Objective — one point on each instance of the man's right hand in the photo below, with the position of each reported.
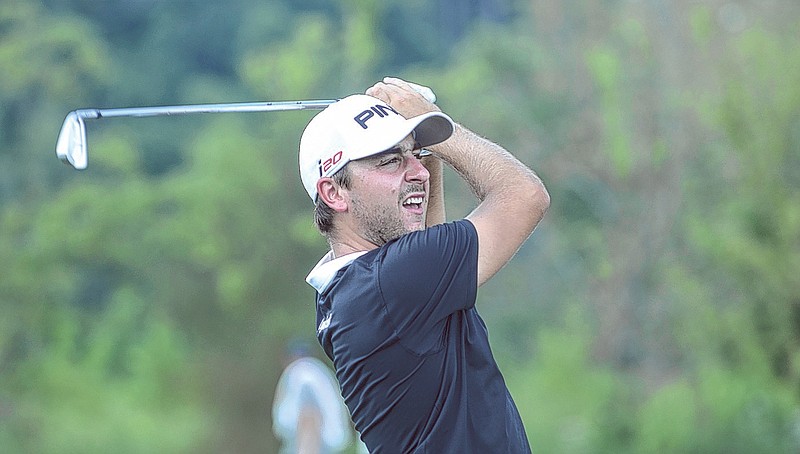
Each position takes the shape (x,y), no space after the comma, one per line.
(402,97)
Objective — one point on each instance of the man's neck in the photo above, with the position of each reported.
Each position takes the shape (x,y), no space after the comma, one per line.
(341,247)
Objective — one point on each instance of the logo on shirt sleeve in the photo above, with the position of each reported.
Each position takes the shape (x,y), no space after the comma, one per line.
(325,323)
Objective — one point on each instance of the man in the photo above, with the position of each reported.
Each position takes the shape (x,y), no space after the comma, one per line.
(396,293)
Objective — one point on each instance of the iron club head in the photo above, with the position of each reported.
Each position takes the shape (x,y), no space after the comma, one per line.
(71,144)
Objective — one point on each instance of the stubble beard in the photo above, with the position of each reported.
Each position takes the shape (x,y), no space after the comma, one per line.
(380,224)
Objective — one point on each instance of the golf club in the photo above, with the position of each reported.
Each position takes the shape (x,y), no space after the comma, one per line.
(71,146)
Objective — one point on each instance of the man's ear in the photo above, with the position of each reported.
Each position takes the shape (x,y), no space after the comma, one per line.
(332,194)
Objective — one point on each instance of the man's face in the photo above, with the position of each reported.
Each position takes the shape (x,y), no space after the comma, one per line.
(389,193)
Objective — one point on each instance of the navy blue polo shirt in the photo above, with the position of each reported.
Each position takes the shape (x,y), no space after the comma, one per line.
(411,352)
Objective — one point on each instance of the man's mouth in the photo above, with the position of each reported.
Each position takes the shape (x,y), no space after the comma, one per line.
(414,202)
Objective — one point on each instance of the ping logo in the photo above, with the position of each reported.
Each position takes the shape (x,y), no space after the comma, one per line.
(381,110)
(326,165)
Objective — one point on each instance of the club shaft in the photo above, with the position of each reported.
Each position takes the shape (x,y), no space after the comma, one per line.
(71,143)
(153,111)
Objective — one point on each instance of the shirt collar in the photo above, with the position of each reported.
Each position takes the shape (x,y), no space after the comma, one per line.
(325,270)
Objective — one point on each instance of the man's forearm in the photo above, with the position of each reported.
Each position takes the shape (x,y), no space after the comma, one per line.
(485,166)
(436,211)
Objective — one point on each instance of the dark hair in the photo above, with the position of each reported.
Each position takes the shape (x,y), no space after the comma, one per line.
(323,214)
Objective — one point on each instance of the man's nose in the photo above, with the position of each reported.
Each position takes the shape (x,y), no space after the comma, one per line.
(416,171)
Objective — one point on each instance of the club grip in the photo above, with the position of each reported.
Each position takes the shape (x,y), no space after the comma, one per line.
(426,92)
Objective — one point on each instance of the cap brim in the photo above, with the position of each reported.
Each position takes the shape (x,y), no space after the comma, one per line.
(433,128)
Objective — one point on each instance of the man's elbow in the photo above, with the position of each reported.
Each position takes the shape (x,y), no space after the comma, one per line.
(537,198)
(543,197)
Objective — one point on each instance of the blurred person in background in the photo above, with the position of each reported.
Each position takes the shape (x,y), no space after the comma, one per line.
(308,414)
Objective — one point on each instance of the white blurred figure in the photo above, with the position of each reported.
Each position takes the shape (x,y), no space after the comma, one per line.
(308,413)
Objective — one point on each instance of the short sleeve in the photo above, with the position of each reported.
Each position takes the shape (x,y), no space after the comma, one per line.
(426,276)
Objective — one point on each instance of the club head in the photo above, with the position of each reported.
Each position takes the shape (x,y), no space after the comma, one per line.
(71,144)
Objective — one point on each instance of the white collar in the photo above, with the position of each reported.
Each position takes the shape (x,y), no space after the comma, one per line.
(325,270)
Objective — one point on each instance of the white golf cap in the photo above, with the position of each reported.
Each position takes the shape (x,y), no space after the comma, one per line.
(359,126)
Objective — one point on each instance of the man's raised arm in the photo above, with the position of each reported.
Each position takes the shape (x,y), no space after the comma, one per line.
(512,197)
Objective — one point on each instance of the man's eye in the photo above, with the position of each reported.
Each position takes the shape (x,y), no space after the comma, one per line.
(389,161)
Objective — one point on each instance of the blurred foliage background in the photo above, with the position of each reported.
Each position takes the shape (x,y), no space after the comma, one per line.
(145,302)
